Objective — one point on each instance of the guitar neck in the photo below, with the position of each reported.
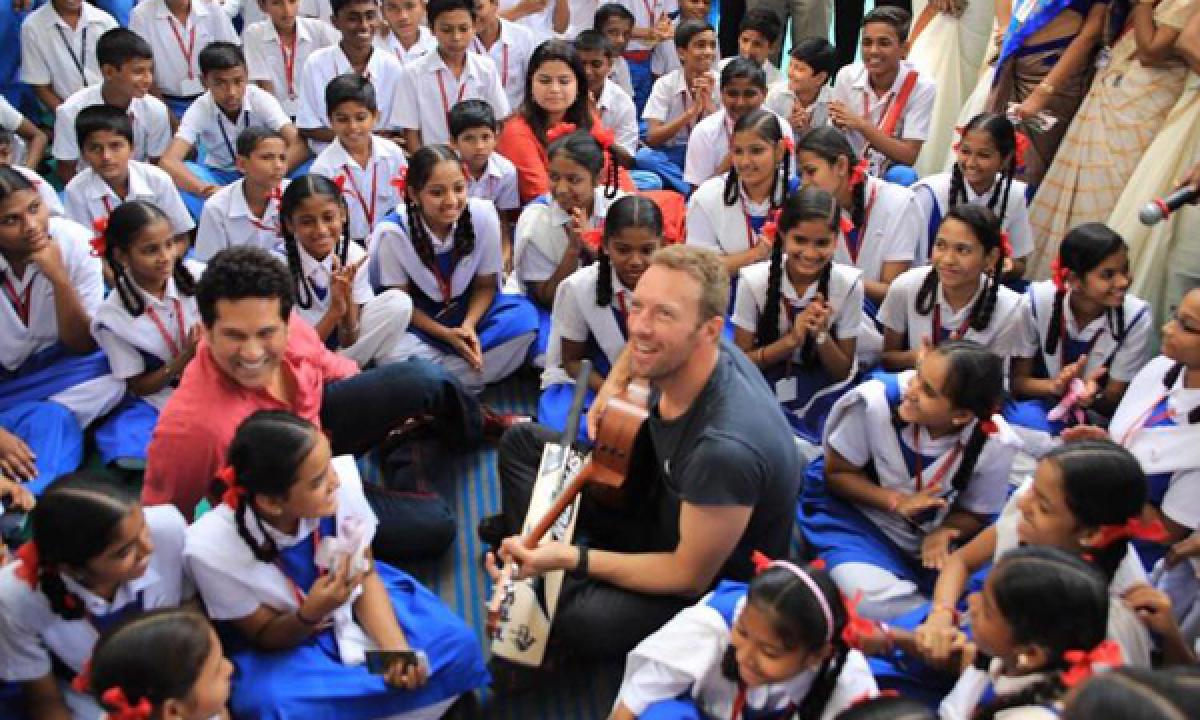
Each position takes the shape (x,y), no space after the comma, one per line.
(561,503)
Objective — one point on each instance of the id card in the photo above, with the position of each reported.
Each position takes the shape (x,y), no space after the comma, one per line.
(786,389)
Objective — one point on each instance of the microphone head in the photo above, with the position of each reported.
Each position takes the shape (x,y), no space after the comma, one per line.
(1150,214)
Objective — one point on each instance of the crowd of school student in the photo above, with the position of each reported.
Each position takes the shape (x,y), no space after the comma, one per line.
(292,231)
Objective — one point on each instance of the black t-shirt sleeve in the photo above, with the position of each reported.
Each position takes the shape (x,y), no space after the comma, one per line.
(722,471)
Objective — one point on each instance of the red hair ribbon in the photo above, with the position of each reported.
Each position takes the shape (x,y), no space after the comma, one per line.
(31,563)
(817,564)
(846,225)
(988,426)
(1020,149)
(1134,528)
(789,145)
(859,174)
(120,708)
(82,683)
(1005,244)
(233,492)
(857,627)
(604,136)
(959,132)
(771,227)
(340,181)
(1083,664)
(760,561)
(559,130)
(1058,274)
(593,238)
(400,181)
(99,244)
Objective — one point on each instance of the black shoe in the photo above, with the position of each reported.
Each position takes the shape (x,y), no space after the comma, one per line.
(492,530)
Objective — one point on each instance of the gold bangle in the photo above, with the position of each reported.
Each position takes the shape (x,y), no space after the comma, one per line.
(1046,88)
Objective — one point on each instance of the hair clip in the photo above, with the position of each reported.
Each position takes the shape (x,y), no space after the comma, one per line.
(400,181)
(120,708)
(99,243)
(1082,664)
(31,563)
(559,130)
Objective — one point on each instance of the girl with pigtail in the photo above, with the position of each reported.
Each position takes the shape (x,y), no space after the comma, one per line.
(913,464)
(988,154)
(592,304)
(959,296)
(149,325)
(775,648)
(95,558)
(285,560)
(799,315)
(1084,336)
(332,290)
(444,250)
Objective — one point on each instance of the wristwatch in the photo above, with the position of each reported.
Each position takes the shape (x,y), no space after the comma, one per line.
(580,570)
(822,337)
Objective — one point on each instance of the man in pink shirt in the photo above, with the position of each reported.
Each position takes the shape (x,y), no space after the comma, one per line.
(255,354)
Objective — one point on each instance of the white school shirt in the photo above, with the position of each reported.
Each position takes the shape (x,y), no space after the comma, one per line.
(10,120)
(685,657)
(710,142)
(31,633)
(319,272)
(1163,449)
(1134,352)
(383,70)
(425,44)
(431,90)
(645,15)
(227,221)
(89,197)
(17,340)
(577,317)
(893,229)
(860,429)
(722,228)
(265,56)
(150,118)
(781,100)
(853,88)
(45,190)
(310,9)
(845,299)
(510,53)
(583,17)
(540,23)
(368,191)
(177,48)
(620,75)
(126,340)
(934,192)
(234,583)
(899,313)
(973,685)
(206,125)
(540,238)
(397,263)
(774,76)
(52,53)
(670,97)
(619,114)
(497,182)
(665,57)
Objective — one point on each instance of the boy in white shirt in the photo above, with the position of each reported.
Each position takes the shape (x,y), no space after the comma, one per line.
(680,99)
(179,30)
(365,163)
(254,12)
(105,135)
(58,49)
(758,33)
(404,31)
(247,212)
(612,103)
(804,98)
(898,100)
(441,79)
(651,26)
(127,64)
(665,59)
(26,143)
(277,48)
(616,22)
(490,175)
(214,121)
(358,22)
(508,44)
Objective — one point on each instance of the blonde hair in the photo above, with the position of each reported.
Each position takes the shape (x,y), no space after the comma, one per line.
(705,267)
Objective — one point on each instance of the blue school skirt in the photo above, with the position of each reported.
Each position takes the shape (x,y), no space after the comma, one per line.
(52,433)
(125,434)
(537,351)
(508,317)
(310,681)
(816,392)
(48,372)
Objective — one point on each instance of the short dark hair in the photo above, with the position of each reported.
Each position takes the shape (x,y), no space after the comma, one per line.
(897,17)
(594,41)
(219,56)
(239,272)
(248,139)
(688,30)
(120,45)
(336,6)
(440,7)
(102,117)
(609,11)
(817,53)
(350,87)
(471,113)
(762,21)
(743,68)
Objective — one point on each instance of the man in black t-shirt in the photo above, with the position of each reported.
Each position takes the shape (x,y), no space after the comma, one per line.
(716,466)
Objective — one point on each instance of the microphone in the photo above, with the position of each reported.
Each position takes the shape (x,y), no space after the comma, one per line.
(1159,209)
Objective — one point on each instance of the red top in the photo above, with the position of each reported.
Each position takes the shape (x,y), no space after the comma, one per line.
(520,145)
(200,418)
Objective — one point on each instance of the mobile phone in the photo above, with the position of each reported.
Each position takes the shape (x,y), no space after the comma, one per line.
(380,662)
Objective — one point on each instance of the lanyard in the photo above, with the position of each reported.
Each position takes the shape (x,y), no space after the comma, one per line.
(751,238)
(503,60)
(289,65)
(107,205)
(858,232)
(462,89)
(186,50)
(297,593)
(368,211)
(176,348)
(20,302)
(225,136)
(1148,419)
(262,224)
(80,60)
(937,325)
(919,461)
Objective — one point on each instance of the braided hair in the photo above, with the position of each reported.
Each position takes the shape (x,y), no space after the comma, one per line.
(265,454)
(766,125)
(1134,693)
(125,226)
(974,382)
(301,189)
(420,170)
(76,519)
(798,619)
(1051,599)
(584,150)
(1004,137)
(1082,250)
(808,204)
(829,144)
(631,211)
(986,229)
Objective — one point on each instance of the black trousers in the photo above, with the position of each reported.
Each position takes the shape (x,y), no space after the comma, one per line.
(595,619)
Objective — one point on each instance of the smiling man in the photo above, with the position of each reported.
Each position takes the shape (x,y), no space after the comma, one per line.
(716,470)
